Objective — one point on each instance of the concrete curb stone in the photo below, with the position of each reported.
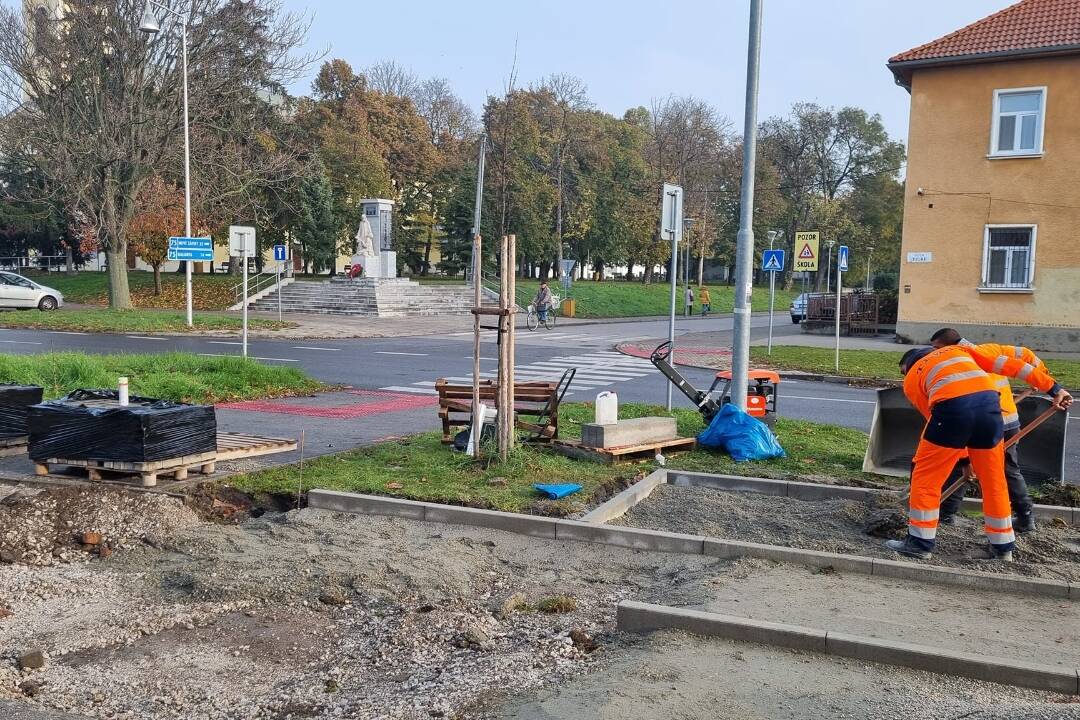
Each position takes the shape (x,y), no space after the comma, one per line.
(634,538)
(731,549)
(1013,584)
(637,617)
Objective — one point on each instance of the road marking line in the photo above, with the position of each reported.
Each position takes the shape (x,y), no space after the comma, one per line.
(470,357)
(223,342)
(66,332)
(324,349)
(146,337)
(20,342)
(821,399)
(249,357)
(383,352)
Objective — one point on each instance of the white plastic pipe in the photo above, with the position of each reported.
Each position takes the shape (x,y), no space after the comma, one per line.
(123,392)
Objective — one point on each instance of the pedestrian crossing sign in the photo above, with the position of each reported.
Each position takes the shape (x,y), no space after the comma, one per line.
(772,260)
(806,251)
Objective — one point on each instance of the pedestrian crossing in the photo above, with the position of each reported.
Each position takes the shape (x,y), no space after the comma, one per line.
(555,337)
(594,371)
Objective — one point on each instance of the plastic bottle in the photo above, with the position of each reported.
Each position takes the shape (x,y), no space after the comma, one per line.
(607,408)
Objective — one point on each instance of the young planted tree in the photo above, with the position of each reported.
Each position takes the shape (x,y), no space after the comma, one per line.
(159,217)
(94,104)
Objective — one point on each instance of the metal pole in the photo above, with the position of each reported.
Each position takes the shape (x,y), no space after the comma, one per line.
(479,202)
(772,304)
(674,274)
(828,272)
(281,266)
(839,290)
(244,259)
(478,298)
(869,254)
(744,263)
(187,175)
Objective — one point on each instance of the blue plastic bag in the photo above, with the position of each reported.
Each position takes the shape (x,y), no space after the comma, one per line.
(741,436)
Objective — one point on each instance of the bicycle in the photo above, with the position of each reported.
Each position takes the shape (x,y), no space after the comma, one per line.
(532,318)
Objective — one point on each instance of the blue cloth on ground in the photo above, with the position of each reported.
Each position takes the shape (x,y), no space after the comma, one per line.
(557,492)
(741,436)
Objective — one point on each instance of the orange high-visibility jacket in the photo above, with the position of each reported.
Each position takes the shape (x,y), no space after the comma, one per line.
(957,370)
(1009,412)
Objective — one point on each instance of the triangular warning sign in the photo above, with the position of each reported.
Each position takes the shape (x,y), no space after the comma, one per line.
(773,263)
(806,253)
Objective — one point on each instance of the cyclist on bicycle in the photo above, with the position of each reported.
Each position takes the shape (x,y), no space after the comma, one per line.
(542,301)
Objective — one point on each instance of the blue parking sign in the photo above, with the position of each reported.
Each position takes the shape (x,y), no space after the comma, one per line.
(280,252)
(772,260)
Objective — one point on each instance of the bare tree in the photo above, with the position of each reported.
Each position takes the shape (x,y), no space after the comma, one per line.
(390,78)
(95,105)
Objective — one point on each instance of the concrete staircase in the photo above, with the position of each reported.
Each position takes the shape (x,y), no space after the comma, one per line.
(372,297)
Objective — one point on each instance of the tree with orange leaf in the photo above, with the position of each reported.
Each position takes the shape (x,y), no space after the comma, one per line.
(159,217)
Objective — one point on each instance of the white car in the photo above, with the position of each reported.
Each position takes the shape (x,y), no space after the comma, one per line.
(798,308)
(19,292)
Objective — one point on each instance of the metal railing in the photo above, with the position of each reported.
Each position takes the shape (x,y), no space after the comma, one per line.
(42,263)
(256,284)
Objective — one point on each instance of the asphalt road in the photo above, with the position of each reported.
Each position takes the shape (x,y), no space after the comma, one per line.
(410,365)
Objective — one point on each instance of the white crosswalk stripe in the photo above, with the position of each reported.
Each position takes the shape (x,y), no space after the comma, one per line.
(594,370)
(571,336)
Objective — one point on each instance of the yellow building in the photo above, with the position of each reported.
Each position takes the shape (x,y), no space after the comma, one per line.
(992,205)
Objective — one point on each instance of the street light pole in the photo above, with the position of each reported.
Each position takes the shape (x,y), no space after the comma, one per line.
(828,273)
(869,254)
(150,26)
(744,256)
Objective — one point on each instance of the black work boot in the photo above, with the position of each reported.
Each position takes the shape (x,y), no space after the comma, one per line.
(1024,522)
(947,520)
(990,552)
(909,548)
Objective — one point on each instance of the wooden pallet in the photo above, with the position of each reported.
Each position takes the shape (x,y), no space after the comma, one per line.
(230,446)
(233,446)
(631,453)
(13,445)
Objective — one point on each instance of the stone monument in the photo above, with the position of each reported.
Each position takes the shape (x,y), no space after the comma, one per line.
(374,240)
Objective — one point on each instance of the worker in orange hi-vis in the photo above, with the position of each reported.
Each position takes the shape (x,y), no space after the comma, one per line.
(952,388)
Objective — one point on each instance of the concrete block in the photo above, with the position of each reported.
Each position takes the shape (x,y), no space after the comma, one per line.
(951,662)
(520,524)
(815,491)
(732,483)
(628,498)
(640,617)
(638,431)
(794,556)
(634,538)
(1042,512)
(366,504)
(989,582)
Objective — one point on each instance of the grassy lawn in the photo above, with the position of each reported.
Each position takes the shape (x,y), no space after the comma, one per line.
(124,321)
(90,287)
(422,468)
(873,364)
(174,376)
(633,299)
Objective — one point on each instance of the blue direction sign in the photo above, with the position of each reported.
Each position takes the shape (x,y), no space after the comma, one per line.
(772,260)
(842,258)
(279,252)
(197,249)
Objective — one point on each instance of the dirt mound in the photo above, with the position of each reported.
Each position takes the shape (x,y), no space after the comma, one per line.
(70,524)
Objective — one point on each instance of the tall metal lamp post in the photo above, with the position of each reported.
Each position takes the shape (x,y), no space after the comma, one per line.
(152,26)
(869,254)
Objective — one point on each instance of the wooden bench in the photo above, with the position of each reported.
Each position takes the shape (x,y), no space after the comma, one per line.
(536,400)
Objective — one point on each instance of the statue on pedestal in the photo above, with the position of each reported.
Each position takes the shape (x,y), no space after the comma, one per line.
(365,240)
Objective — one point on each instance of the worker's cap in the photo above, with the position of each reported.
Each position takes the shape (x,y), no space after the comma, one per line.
(913,356)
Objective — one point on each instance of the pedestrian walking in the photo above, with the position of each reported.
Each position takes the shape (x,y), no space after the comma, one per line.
(688,301)
(706,300)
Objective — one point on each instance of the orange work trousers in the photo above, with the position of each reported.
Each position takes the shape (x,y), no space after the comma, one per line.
(933,463)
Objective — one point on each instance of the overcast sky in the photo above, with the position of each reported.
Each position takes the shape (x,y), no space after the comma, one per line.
(629,51)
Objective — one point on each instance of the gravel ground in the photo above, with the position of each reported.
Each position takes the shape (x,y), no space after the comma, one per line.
(838,526)
(314,615)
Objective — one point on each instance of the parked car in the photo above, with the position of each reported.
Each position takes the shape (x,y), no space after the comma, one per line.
(798,308)
(19,292)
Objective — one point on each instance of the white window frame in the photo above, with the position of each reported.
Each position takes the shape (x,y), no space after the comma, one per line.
(984,286)
(995,124)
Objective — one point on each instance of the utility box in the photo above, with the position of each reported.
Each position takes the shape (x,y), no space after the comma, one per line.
(569,307)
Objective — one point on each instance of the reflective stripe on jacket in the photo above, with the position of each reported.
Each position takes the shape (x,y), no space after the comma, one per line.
(1001,353)
(957,370)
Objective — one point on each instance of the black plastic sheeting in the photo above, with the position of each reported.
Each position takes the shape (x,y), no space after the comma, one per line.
(91,425)
(14,402)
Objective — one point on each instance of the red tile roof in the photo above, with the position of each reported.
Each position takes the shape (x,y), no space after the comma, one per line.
(1035,25)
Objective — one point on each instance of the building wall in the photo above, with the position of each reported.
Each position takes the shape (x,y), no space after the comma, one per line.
(963,191)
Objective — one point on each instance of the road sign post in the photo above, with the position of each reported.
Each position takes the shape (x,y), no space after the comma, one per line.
(772,262)
(242,243)
(280,252)
(841,268)
(671,226)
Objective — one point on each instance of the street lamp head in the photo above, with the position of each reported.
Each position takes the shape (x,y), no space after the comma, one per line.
(149,24)
(772,235)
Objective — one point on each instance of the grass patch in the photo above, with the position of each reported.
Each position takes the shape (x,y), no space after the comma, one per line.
(125,321)
(872,364)
(614,298)
(91,287)
(422,468)
(557,604)
(180,377)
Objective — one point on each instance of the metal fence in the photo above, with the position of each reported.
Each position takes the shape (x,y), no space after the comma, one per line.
(859,312)
(40,263)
